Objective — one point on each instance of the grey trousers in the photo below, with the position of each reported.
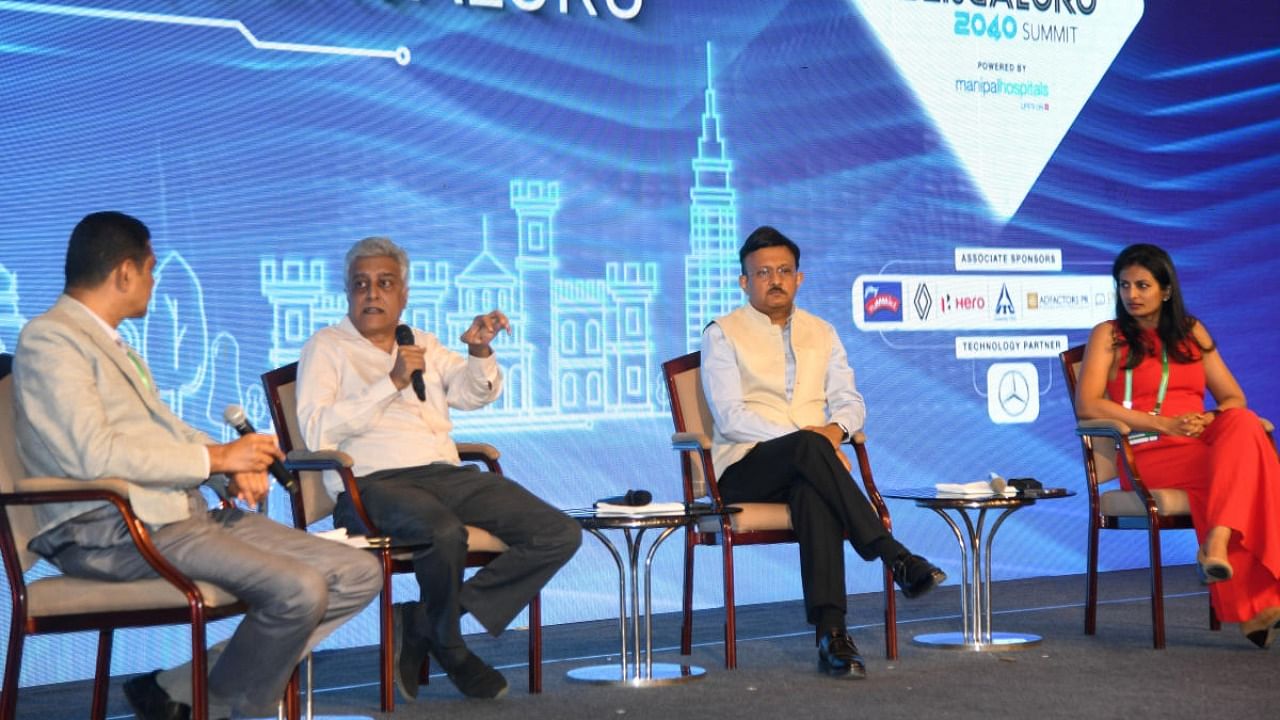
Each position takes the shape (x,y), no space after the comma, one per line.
(430,505)
(298,587)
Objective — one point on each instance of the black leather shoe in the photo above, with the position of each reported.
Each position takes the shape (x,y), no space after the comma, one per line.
(150,702)
(915,575)
(475,678)
(838,656)
(408,651)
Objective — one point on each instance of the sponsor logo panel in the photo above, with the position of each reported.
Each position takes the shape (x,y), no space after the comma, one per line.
(981,302)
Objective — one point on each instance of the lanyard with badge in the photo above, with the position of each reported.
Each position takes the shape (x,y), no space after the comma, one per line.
(1137,438)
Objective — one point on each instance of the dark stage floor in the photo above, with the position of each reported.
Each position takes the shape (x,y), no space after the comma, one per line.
(1114,674)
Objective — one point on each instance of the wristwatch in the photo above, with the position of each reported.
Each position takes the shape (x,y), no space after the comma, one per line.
(844,432)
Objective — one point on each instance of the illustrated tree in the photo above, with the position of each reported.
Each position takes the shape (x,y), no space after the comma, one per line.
(223,388)
(175,332)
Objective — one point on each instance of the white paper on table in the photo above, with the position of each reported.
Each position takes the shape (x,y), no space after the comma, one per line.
(340,535)
(653,508)
(977,487)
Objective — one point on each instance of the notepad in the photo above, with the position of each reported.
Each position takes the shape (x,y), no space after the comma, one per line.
(340,535)
(977,487)
(653,508)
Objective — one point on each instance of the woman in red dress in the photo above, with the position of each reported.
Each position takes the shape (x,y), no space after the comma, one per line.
(1149,369)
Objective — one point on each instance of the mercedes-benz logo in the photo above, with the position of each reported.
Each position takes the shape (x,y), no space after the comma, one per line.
(1013,392)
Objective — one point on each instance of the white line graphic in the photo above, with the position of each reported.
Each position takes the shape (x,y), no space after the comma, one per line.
(400,54)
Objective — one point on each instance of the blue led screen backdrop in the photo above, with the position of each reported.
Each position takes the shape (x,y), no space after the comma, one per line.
(959,177)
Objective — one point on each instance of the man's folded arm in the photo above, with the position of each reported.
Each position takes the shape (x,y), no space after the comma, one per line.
(845,405)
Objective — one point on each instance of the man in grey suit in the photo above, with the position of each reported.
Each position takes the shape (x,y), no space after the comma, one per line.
(87,408)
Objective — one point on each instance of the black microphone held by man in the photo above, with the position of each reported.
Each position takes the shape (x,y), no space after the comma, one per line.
(404,336)
(235,417)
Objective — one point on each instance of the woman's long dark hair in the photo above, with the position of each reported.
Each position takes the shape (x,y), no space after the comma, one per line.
(1175,325)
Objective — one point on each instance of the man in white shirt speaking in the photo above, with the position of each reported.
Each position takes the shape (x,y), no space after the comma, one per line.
(357,393)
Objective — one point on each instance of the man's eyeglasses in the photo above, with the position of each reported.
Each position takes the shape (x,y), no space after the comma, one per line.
(764,274)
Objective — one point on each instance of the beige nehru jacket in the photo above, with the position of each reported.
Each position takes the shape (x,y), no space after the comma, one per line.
(758,347)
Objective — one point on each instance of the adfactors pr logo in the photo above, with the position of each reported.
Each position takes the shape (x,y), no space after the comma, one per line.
(882,302)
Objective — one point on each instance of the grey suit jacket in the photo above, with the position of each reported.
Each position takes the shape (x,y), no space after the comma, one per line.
(84,412)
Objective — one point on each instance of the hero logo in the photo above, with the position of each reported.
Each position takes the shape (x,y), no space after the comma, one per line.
(961,303)
(629,13)
(882,302)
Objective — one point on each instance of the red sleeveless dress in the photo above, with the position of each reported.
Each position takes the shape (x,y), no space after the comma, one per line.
(1231,475)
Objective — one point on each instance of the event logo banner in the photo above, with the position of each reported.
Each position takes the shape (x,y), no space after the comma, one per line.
(1003,80)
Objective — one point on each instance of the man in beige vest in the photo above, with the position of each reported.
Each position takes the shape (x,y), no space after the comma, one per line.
(783,398)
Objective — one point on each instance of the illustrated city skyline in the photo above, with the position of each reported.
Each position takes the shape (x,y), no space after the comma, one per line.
(581,348)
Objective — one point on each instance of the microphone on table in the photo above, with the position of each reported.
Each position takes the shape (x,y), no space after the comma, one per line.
(633,498)
(235,417)
(404,336)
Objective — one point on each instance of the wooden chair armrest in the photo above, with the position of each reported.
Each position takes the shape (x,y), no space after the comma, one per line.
(1102,428)
(1266,425)
(478,452)
(858,438)
(690,441)
(317,460)
(44,490)
(54,485)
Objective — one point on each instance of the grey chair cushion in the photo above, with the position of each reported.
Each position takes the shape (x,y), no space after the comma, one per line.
(754,516)
(63,595)
(483,541)
(1122,503)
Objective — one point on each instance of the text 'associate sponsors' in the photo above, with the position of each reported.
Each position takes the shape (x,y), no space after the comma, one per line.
(1008,259)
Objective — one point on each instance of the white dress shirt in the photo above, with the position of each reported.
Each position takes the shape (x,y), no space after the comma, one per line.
(347,401)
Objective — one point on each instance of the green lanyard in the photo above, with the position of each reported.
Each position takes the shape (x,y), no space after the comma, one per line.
(1141,437)
(137,364)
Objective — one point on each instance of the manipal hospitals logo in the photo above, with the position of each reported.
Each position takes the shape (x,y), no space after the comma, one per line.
(882,302)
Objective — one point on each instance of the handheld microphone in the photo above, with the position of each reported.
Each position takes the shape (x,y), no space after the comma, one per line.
(633,498)
(404,336)
(235,417)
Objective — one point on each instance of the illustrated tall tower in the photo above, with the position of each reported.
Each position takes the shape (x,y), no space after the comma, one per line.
(711,269)
(536,203)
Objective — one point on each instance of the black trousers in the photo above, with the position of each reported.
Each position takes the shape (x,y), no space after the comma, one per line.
(802,470)
(429,506)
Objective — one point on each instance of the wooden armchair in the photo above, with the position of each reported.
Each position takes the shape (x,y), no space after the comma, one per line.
(1105,447)
(312,503)
(756,523)
(63,604)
